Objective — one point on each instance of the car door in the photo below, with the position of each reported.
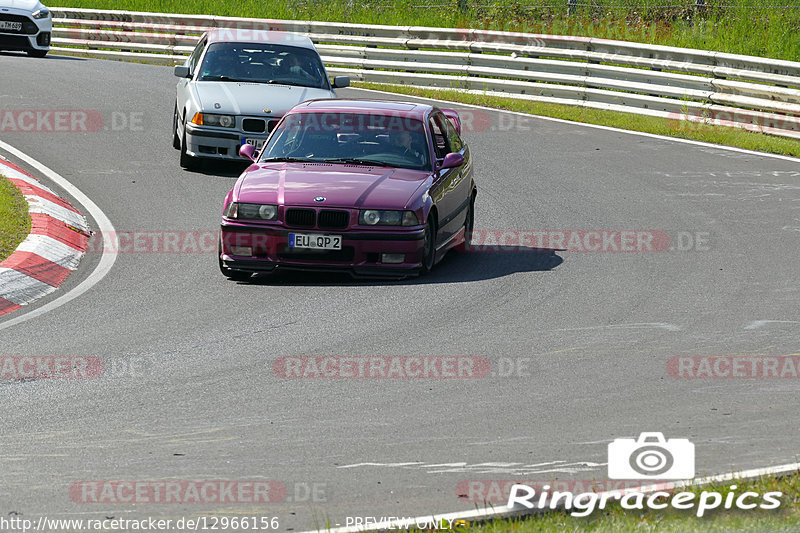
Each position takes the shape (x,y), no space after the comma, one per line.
(450,190)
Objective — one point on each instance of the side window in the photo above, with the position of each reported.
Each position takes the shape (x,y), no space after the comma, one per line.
(454,142)
(196,54)
(439,140)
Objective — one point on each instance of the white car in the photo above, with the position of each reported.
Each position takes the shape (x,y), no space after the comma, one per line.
(25,25)
(237,85)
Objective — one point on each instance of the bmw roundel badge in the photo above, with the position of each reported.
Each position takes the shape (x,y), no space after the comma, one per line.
(319,199)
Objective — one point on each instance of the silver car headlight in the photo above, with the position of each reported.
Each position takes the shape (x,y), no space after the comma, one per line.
(251,211)
(41,13)
(377,217)
(209,119)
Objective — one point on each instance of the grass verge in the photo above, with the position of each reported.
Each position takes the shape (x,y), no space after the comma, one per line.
(751,27)
(15,224)
(660,126)
(618,520)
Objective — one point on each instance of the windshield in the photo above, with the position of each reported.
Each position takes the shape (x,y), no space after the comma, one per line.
(263,63)
(354,138)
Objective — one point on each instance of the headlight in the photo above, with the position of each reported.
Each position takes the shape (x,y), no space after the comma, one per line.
(251,211)
(207,119)
(41,13)
(375,217)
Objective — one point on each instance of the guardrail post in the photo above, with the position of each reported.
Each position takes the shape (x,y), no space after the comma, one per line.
(700,7)
(571,5)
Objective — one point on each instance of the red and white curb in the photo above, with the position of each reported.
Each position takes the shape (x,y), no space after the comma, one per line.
(59,237)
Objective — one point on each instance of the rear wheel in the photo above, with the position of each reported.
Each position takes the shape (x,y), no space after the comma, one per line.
(36,53)
(428,246)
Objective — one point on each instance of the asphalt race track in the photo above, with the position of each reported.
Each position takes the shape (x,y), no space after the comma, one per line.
(578,342)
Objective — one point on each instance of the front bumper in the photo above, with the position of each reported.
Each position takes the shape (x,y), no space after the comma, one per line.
(212,143)
(361,253)
(34,35)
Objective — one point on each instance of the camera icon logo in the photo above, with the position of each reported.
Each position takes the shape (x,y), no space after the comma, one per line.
(651,457)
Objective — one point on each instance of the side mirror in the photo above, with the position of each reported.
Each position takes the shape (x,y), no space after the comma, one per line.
(248,151)
(452,160)
(341,81)
(182,71)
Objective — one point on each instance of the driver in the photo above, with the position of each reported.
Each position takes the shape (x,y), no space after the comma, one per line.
(215,63)
(402,143)
(291,65)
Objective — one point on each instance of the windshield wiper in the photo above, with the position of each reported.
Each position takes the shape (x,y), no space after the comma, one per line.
(292,83)
(223,78)
(287,160)
(354,161)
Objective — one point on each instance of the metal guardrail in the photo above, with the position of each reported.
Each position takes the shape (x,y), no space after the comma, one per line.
(677,83)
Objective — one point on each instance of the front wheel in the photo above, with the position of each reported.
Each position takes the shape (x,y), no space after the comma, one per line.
(469,223)
(188,162)
(428,246)
(176,140)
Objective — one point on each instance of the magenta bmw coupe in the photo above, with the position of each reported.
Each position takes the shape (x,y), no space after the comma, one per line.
(372,188)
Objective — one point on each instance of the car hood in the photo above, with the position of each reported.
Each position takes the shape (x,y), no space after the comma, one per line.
(340,185)
(253,98)
(22,5)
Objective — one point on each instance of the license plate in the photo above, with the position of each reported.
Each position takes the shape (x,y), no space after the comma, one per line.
(13,26)
(258,143)
(315,241)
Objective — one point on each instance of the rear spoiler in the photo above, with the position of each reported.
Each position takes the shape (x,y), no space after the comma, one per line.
(452,115)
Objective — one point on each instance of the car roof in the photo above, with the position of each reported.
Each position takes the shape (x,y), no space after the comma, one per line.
(370,107)
(234,35)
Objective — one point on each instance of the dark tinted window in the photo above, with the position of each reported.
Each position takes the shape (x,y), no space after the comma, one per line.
(439,140)
(263,63)
(360,138)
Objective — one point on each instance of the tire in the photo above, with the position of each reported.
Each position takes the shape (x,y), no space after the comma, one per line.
(429,246)
(234,275)
(176,141)
(188,162)
(469,226)
(469,223)
(36,53)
